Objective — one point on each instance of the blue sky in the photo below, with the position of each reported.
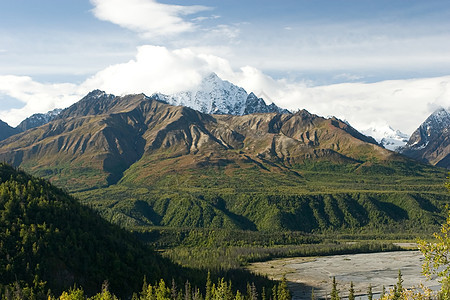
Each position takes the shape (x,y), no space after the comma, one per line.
(303,54)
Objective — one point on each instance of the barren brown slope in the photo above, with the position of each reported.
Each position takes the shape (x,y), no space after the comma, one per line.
(94,141)
(82,151)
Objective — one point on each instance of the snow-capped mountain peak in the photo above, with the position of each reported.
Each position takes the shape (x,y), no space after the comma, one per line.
(434,125)
(216,96)
(431,141)
(388,137)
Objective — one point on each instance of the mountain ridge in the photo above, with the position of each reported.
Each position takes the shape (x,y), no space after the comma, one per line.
(33,121)
(132,118)
(6,131)
(38,119)
(430,142)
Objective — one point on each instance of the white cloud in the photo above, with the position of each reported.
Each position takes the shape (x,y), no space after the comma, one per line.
(403,104)
(147,17)
(155,69)
(36,97)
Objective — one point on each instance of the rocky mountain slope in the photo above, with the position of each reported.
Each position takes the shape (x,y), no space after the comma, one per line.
(6,130)
(217,96)
(430,143)
(37,120)
(33,121)
(142,162)
(104,135)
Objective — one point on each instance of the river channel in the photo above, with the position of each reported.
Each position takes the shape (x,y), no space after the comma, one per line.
(378,269)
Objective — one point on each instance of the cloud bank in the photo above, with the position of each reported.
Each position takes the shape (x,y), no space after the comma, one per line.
(403,104)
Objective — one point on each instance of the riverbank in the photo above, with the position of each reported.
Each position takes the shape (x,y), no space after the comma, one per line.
(378,269)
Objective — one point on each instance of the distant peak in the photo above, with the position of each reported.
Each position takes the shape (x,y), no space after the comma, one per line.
(98,94)
(4,123)
(303,112)
(440,117)
(266,97)
(440,109)
(442,112)
(213,76)
(217,96)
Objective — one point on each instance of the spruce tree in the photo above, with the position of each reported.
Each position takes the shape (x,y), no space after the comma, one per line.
(173,290)
(398,288)
(252,294)
(351,292)
(187,291)
(208,295)
(283,291)
(400,281)
(369,292)
(334,291)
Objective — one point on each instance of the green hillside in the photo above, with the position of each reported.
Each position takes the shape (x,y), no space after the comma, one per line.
(49,241)
(321,198)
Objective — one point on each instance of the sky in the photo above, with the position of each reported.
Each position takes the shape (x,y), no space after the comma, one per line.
(372,63)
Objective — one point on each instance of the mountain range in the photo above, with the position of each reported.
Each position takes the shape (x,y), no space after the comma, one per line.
(107,134)
(142,162)
(216,96)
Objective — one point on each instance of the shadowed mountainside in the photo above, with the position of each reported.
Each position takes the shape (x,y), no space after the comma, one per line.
(6,131)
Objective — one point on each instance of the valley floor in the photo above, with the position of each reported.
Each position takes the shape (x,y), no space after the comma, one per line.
(377,269)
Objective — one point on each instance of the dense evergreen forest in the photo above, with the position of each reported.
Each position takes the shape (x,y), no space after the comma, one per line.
(50,241)
(52,246)
(324,198)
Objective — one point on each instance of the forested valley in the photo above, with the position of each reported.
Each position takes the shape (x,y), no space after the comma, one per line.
(52,246)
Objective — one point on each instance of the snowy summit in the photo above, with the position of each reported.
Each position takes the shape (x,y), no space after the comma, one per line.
(388,137)
(216,96)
